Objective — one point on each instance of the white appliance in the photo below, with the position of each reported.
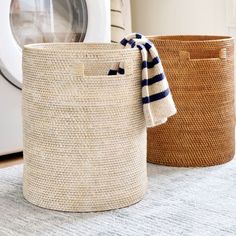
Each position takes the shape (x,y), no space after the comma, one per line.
(33,21)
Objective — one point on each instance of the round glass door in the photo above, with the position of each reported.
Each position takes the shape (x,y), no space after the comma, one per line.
(45,21)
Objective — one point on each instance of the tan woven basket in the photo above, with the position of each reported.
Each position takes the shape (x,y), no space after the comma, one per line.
(84,131)
(200,72)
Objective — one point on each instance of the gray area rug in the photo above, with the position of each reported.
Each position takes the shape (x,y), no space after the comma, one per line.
(179,201)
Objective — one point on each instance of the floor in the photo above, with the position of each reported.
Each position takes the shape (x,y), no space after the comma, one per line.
(178,201)
(11,160)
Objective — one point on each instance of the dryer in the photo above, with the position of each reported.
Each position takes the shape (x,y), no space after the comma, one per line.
(36,21)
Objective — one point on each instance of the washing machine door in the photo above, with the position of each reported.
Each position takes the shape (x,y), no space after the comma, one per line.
(36,21)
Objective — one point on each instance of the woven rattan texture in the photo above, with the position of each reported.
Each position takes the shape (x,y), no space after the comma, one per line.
(84,131)
(200,73)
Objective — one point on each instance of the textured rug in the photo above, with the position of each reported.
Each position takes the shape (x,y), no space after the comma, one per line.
(179,201)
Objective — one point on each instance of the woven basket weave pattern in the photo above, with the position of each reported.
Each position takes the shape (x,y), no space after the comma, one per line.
(84,132)
(200,73)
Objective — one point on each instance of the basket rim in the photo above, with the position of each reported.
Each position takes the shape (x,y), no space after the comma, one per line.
(82,47)
(195,38)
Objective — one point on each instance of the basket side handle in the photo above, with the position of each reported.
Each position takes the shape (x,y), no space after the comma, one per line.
(79,68)
(186,56)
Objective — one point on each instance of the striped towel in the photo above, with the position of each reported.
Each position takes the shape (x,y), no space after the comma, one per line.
(157,100)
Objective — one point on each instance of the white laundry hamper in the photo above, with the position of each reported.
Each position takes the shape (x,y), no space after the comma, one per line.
(84,131)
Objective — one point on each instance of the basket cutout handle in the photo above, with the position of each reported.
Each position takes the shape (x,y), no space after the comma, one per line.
(186,56)
(79,69)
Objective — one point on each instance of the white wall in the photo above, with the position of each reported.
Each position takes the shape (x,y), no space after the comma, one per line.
(127,16)
(180,16)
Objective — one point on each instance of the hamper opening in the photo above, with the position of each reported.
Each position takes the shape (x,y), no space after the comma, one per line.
(76,46)
(191,38)
(194,47)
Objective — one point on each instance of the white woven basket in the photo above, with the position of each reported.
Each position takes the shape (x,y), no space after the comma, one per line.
(84,131)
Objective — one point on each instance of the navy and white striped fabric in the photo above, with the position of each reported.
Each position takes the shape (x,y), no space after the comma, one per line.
(157,100)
